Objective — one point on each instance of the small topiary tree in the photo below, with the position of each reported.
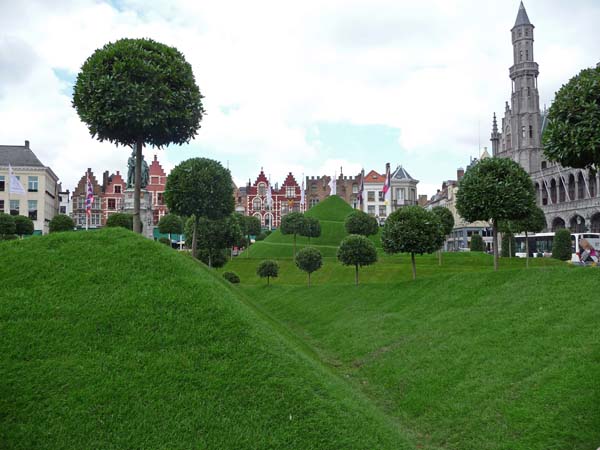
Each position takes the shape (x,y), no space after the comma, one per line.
(509,244)
(268,269)
(165,240)
(311,228)
(477,243)
(356,250)
(120,220)
(23,226)
(309,260)
(251,228)
(213,258)
(232,277)
(170,224)
(535,222)
(61,222)
(292,223)
(447,220)
(561,245)
(136,92)
(260,237)
(359,222)
(7,225)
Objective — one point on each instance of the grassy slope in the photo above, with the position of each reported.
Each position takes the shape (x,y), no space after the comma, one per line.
(469,360)
(112,341)
(331,212)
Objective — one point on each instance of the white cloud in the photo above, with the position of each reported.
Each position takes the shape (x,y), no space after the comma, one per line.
(435,70)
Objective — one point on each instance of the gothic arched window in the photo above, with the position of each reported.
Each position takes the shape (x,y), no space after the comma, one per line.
(262,189)
(256,204)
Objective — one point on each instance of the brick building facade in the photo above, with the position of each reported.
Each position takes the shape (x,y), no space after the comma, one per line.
(113,188)
(156,188)
(318,188)
(79,196)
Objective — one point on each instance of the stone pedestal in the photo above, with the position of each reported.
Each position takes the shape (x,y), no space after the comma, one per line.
(146,214)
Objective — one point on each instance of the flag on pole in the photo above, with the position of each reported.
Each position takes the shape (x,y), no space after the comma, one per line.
(361,189)
(15,185)
(269,195)
(387,186)
(332,185)
(302,198)
(89,199)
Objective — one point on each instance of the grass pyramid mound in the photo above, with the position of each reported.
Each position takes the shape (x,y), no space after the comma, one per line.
(110,340)
(331,212)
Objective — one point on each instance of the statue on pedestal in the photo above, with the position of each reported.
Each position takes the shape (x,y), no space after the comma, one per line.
(131,171)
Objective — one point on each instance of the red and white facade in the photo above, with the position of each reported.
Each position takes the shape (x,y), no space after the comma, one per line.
(112,195)
(156,188)
(285,199)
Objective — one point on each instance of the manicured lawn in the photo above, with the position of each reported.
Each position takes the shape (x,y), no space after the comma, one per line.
(110,340)
(466,360)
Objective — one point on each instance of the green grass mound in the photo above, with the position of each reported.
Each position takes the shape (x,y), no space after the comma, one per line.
(110,340)
(333,208)
(463,359)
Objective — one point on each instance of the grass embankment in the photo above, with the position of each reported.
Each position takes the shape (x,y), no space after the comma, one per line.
(471,360)
(113,341)
(331,213)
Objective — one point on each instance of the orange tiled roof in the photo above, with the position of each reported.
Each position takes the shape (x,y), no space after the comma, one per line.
(374,177)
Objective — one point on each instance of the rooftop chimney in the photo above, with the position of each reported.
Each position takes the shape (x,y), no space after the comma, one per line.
(460,173)
(26,144)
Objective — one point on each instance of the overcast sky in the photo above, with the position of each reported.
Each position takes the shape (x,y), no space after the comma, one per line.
(303,86)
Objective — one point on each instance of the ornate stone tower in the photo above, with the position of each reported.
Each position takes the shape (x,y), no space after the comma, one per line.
(520,137)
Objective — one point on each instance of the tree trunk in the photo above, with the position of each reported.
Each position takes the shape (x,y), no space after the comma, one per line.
(527,250)
(356,275)
(209,259)
(510,245)
(195,237)
(414,266)
(495,241)
(308,279)
(137,223)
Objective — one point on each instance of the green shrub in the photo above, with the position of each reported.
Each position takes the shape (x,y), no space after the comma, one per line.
(268,269)
(509,245)
(359,222)
(61,222)
(165,240)
(477,244)
(261,237)
(356,250)
(8,237)
(267,232)
(232,277)
(122,220)
(7,225)
(309,260)
(24,226)
(213,258)
(561,245)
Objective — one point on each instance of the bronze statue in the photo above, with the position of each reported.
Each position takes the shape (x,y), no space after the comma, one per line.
(131,171)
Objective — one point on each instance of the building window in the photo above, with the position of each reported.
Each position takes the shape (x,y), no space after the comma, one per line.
(531,131)
(63,210)
(262,189)
(400,194)
(256,204)
(154,180)
(355,188)
(117,189)
(290,191)
(96,203)
(32,209)
(112,203)
(382,212)
(2,182)
(371,209)
(520,55)
(313,188)
(313,202)
(14,207)
(380,196)
(1,206)
(527,54)
(371,197)
(80,202)
(544,164)
(95,219)
(520,32)
(526,32)
(523,131)
(32,184)
(160,198)
(284,208)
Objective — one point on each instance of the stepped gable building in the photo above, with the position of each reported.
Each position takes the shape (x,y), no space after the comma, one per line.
(318,189)
(79,196)
(40,201)
(569,197)
(156,188)
(285,199)
(112,198)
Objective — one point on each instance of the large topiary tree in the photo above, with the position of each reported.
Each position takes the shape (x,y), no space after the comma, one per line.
(120,220)
(311,228)
(572,134)
(136,92)
(562,248)
(447,220)
(356,250)
(268,269)
(7,225)
(251,228)
(214,237)
(495,189)
(199,188)
(309,260)
(23,226)
(413,230)
(359,222)
(292,223)
(61,222)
